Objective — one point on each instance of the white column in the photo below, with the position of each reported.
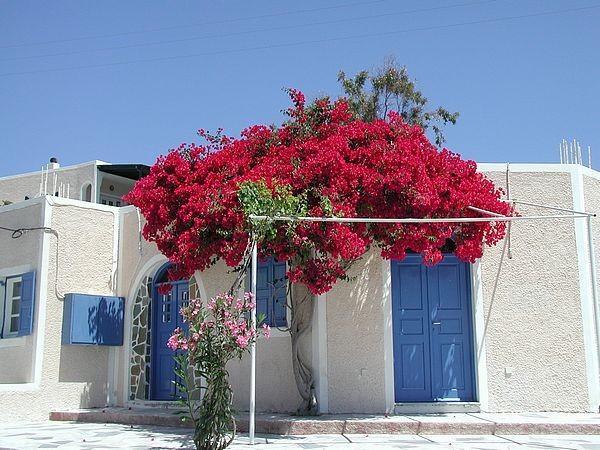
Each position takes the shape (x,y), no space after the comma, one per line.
(479,333)
(388,335)
(319,351)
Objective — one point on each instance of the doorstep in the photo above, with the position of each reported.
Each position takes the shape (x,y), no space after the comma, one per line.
(437,407)
(443,423)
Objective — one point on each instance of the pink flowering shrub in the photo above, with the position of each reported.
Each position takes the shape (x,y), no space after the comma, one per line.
(214,334)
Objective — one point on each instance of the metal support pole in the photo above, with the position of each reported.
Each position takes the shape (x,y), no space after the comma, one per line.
(594,282)
(509,224)
(253,346)
(485,211)
(554,208)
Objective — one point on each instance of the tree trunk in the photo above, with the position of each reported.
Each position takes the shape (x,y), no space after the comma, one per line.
(302,312)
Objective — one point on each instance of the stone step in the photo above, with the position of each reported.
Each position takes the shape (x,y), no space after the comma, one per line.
(449,423)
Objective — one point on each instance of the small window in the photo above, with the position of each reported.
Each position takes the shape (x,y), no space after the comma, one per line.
(185,299)
(17,300)
(12,306)
(166,308)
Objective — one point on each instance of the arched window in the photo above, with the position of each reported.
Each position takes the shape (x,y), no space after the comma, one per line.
(86,192)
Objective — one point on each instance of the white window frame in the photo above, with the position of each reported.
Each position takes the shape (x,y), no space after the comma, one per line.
(7,313)
(5,274)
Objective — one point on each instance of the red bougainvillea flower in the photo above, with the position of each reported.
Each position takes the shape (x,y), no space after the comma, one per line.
(343,167)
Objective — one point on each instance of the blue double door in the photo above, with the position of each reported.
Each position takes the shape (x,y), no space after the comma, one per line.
(432,331)
(165,318)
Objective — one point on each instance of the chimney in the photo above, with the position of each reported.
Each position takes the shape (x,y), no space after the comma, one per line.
(53,163)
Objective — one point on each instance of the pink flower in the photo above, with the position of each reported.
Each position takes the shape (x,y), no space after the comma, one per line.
(242,341)
(173,342)
(266,330)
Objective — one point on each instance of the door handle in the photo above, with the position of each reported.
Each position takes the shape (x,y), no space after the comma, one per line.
(436,323)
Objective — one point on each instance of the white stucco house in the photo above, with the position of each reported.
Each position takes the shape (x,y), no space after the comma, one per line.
(84,326)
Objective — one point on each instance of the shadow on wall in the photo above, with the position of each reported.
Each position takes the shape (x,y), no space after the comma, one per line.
(105,321)
(488,313)
(87,366)
(89,363)
(366,290)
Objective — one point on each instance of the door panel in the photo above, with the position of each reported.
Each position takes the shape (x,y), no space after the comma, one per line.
(451,343)
(166,318)
(412,371)
(431,331)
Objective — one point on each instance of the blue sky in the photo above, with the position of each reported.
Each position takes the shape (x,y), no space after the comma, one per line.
(113,80)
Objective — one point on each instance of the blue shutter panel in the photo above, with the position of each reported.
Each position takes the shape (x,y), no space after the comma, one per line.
(27,304)
(271,292)
(110,315)
(263,291)
(279,318)
(93,320)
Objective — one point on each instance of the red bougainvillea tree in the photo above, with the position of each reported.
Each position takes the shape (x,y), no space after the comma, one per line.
(321,162)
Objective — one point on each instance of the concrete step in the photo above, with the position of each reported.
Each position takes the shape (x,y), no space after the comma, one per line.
(447,423)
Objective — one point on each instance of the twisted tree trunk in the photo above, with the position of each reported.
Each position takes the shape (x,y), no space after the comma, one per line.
(302,312)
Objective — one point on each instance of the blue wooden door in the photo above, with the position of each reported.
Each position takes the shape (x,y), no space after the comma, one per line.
(166,317)
(431,312)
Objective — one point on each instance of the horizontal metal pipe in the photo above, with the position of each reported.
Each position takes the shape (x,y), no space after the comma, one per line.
(416,220)
(555,208)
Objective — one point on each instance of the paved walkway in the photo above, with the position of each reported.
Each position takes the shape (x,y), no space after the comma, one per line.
(68,435)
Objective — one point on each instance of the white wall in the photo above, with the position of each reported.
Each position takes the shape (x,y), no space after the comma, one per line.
(355,340)
(81,260)
(18,256)
(534,335)
(15,188)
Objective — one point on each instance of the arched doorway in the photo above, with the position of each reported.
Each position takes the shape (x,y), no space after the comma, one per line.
(165,318)
(86,192)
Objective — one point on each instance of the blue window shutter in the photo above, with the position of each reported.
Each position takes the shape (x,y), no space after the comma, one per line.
(271,292)
(27,304)
(93,320)
(263,290)
(279,295)
(110,321)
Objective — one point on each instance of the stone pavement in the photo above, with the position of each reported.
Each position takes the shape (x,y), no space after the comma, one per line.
(68,435)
